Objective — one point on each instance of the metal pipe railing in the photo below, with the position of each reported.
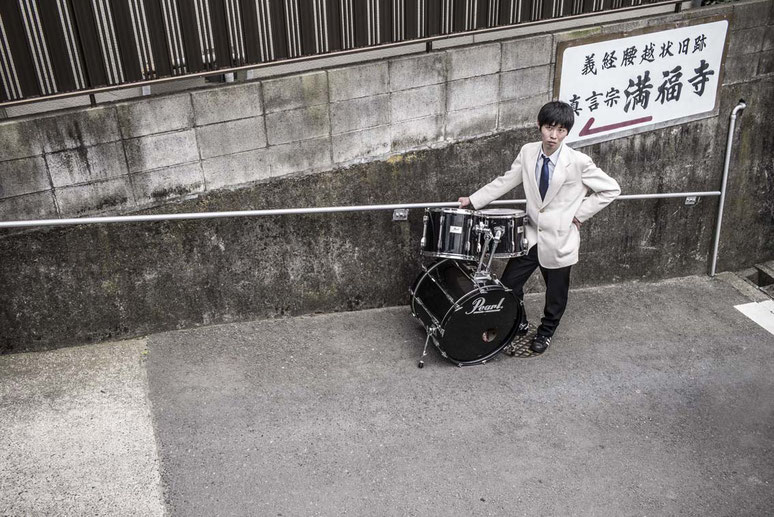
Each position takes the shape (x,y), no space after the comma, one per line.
(295,211)
(729,143)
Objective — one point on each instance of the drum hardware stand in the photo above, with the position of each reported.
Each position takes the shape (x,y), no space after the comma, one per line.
(430,332)
(484,273)
(499,230)
(480,275)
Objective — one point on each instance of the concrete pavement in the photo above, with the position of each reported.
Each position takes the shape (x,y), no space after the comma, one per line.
(655,399)
(76,433)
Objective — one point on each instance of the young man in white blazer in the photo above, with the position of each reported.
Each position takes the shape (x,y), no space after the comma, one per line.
(556,180)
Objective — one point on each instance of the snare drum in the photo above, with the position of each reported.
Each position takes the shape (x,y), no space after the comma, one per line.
(448,233)
(512,241)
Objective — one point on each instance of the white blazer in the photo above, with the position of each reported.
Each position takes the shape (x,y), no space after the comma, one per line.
(550,221)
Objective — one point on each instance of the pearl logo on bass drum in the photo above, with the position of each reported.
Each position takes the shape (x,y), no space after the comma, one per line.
(480,308)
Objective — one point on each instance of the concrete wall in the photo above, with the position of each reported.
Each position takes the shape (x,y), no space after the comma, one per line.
(142,153)
(412,129)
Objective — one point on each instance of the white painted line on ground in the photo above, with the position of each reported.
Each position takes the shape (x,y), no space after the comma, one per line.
(761,313)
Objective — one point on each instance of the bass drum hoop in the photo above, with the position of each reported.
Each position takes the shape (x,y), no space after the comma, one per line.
(450,210)
(512,213)
(480,360)
(454,256)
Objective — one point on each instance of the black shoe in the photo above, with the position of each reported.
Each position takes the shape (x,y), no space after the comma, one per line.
(522,329)
(540,343)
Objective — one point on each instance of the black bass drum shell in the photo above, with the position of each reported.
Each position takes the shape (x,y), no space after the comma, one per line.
(473,324)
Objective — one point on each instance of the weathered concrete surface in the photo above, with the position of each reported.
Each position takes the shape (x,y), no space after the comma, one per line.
(76,435)
(653,400)
(75,285)
(86,284)
(340,116)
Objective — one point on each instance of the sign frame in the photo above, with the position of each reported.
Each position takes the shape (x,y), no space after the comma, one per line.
(597,38)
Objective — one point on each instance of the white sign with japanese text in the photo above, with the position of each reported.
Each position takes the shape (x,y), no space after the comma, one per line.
(618,85)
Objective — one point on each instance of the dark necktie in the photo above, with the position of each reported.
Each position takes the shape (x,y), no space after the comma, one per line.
(544,178)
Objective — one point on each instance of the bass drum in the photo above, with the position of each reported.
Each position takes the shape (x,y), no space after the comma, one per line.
(469,322)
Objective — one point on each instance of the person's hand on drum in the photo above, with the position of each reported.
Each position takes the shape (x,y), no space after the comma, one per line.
(463,201)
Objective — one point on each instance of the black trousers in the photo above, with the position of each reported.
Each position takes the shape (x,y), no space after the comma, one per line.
(557,281)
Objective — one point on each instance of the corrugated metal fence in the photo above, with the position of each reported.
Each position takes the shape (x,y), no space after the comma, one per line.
(54,46)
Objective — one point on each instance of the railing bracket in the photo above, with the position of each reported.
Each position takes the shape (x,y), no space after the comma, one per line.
(400,214)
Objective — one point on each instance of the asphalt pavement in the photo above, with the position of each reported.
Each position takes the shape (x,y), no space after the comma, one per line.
(654,399)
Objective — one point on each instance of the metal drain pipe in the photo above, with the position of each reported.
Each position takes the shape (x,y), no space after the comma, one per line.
(729,143)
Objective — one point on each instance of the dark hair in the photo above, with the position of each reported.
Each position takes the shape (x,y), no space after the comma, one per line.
(556,112)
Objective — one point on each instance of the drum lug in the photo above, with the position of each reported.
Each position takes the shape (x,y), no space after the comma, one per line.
(435,330)
(440,231)
(422,242)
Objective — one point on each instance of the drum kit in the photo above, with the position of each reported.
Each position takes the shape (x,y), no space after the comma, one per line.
(469,315)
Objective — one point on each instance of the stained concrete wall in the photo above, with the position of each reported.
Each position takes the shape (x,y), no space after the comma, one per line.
(143,153)
(413,129)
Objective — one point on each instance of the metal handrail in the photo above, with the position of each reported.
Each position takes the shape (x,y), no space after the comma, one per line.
(729,144)
(295,211)
(428,41)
